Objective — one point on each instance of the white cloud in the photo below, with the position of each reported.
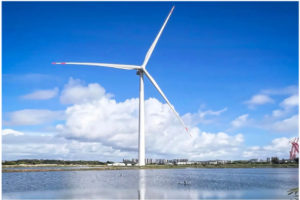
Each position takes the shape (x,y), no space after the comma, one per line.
(42,94)
(115,124)
(240,121)
(288,125)
(259,99)
(279,147)
(288,106)
(293,89)
(278,113)
(32,117)
(34,145)
(30,77)
(74,92)
(290,101)
(11,132)
(37,146)
(98,127)
(202,116)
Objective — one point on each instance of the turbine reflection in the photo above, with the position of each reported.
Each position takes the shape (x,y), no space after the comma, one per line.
(142,184)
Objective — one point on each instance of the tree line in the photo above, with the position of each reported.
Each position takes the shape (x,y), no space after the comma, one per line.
(58,162)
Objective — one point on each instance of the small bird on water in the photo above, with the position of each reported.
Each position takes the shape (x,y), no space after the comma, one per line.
(184,183)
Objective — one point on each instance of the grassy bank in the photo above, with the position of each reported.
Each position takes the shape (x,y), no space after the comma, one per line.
(21,168)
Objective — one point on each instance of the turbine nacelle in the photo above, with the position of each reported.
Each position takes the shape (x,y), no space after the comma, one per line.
(139,71)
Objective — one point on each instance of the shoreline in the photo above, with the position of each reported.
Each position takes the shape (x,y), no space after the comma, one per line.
(6,168)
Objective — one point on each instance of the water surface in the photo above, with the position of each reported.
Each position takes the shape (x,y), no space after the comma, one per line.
(189,183)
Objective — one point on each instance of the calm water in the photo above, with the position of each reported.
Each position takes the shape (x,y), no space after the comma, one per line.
(52,167)
(151,184)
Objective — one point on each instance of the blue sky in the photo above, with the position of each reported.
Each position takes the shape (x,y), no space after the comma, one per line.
(212,56)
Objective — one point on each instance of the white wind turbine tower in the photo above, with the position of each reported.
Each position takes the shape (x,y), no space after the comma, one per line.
(141,70)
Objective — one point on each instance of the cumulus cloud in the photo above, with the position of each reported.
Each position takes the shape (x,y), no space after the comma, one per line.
(42,94)
(34,145)
(100,118)
(288,105)
(240,121)
(264,97)
(115,124)
(259,99)
(74,92)
(11,132)
(291,101)
(41,146)
(278,113)
(32,117)
(283,119)
(98,127)
(279,147)
(288,125)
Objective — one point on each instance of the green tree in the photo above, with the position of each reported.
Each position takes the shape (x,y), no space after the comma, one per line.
(275,160)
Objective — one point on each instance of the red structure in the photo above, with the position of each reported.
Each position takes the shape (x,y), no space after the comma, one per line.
(295,148)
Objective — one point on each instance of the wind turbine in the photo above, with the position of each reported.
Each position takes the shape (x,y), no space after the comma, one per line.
(294,149)
(141,70)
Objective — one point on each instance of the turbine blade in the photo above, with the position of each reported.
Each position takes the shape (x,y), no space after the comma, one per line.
(164,96)
(118,66)
(149,53)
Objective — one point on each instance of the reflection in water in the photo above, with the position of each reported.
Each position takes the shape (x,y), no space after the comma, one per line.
(151,184)
(142,185)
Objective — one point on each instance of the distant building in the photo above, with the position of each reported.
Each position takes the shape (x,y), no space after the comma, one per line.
(203,162)
(126,161)
(149,161)
(160,161)
(213,162)
(180,160)
(253,160)
(181,163)
(222,162)
(118,164)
